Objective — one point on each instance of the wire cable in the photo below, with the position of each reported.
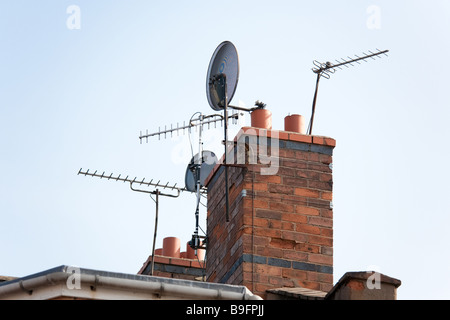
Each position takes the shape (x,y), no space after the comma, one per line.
(189,132)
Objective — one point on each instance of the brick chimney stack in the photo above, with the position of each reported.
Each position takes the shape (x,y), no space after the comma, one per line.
(280,231)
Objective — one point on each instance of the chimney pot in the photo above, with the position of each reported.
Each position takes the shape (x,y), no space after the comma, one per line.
(295,123)
(171,247)
(261,118)
(190,253)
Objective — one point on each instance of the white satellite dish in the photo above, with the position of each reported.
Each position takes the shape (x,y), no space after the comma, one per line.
(205,165)
(225,62)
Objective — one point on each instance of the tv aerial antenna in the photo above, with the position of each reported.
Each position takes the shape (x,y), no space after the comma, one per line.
(221,82)
(198,122)
(199,167)
(136,185)
(326,69)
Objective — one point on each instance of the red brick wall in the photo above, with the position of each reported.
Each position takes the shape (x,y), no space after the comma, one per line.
(280,232)
(177,268)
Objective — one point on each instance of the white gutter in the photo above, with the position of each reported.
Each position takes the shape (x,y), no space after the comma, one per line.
(183,289)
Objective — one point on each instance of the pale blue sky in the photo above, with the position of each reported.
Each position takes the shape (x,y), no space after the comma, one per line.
(78,98)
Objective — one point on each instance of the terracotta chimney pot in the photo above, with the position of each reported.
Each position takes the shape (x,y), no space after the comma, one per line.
(171,247)
(261,118)
(295,123)
(190,253)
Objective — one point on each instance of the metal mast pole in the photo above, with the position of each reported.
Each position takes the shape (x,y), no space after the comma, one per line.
(154,235)
(225,111)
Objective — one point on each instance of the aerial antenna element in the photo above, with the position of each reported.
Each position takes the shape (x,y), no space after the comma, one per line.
(325,70)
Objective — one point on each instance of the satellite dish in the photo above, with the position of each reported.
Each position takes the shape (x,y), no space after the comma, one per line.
(208,162)
(224,61)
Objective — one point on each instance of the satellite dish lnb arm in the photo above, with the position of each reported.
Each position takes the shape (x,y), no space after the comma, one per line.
(258,105)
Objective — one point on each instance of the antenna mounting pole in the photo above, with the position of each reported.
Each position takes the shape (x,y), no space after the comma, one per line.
(218,83)
(154,234)
(314,104)
(225,112)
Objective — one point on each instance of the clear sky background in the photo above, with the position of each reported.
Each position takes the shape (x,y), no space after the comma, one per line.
(74,98)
